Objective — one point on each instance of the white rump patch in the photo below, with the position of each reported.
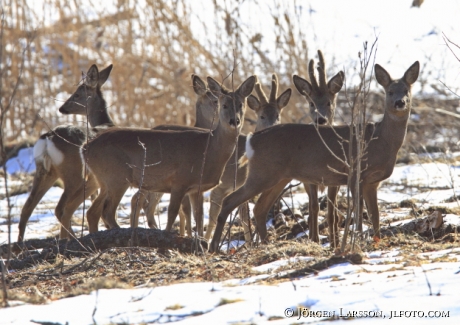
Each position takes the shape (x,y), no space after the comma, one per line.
(39,150)
(41,155)
(57,157)
(249,149)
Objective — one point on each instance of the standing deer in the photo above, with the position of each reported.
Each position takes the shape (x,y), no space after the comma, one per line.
(57,153)
(205,107)
(174,159)
(322,97)
(268,112)
(316,154)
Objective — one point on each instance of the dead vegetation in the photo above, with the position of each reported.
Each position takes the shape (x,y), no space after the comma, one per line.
(128,267)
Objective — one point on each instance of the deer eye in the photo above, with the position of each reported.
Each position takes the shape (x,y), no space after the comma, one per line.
(76,96)
(328,103)
(390,93)
(312,104)
(224,106)
(262,117)
(277,116)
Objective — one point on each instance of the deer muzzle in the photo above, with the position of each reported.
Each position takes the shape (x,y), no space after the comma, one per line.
(235,122)
(400,104)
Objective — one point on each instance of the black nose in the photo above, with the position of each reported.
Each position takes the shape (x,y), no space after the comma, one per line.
(62,110)
(400,103)
(321,121)
(232,122)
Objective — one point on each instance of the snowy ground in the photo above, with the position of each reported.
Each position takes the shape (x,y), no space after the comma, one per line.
(386,288)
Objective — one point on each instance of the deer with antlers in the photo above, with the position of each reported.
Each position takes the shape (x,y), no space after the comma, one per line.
(268,113)
(174,159)
(57,153)
(321,95)
(319,155)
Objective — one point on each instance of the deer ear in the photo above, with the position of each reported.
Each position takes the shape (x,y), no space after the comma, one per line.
(411,75)
(214,87)
(302,85)
(246,88)
(253,103)
(104,75)
(382,76)
(284,98)
(92,77)
(336,82)
(199,86)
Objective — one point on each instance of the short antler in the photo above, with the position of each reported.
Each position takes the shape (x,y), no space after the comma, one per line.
(322,72)
(274,91)
(311,72)
(260,92)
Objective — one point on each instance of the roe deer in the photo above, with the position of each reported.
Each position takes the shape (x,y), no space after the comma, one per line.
(174,159)
(322,98)
(289,151)
(206,119)
(205,107)
(57,153)
(268,112)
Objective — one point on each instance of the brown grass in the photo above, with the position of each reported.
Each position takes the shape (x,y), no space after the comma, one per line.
(154,50)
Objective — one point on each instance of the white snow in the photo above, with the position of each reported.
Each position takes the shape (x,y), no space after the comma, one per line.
(383,285)
(23,163)
(340,290)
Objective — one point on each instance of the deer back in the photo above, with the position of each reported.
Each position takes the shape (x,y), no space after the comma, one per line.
(319,154)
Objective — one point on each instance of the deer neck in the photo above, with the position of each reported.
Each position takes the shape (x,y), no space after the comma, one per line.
(223,142)
(392,131)
(99,115)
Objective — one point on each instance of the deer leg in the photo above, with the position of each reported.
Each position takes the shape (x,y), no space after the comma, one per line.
(197,209)
(243,211)
(113,198)
(264,204)
(95,211)
(43,180)
(177,196)
(185,217)
(217,197)
(254,185)
(66,231)
(150,205)
(370,197)
(332,215)
(74,189)
(138,201)
(313,211)
(72,202)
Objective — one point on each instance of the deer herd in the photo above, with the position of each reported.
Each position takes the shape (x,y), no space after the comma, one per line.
(214,155)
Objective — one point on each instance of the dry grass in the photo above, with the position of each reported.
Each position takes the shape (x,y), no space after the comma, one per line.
(155,48)
(148,267)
